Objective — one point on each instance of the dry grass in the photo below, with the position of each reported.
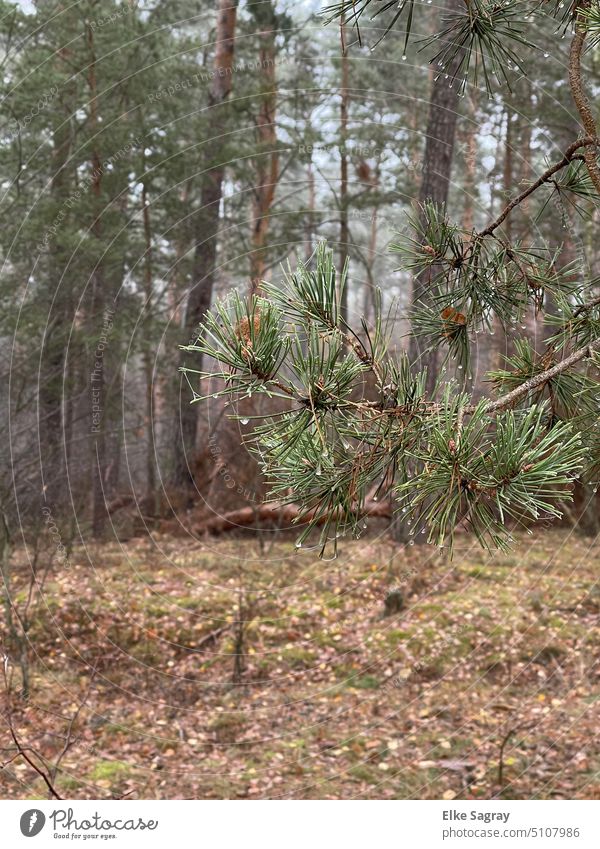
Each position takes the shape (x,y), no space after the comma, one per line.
(335,700)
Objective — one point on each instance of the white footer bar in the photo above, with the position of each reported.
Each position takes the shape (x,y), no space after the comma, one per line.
(302,824)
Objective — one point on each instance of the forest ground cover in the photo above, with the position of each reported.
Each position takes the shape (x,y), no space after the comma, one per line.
(483,684)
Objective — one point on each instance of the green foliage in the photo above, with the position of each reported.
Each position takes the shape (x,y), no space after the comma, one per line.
(475,39)
(590,17)
(576,321)
(488,471)
(473,280)
(357,422)
(352,11)
(247,337)
(313,295)
(478,37)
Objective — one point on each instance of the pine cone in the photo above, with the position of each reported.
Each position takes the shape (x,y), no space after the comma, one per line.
(244,332)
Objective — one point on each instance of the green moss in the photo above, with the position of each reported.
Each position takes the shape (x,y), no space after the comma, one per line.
(366,682)
(110,771)
(363,773)
(299,657)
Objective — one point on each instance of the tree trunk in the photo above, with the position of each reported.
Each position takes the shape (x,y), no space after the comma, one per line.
(309,227)
(267,159)
(206,230)
(151,494)
(98,380)
(344,103)
(470,164)
(369,302)
(508,170)
(437,166)
(52,357)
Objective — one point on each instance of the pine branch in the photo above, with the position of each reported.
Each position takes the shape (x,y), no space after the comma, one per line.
(567,158)
(540,379)
(447,460)
(588,305)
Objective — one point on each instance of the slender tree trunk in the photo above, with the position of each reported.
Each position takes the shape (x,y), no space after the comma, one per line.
(508,177)
(206,231)
(437,166)
(98,379)
(51,412)
(499,345)
(470,164)
(526,170)
(369,303)
(267,160)
(309,227)
(151,493)
(344,105)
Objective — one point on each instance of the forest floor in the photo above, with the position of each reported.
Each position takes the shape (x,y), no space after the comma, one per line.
(485,684)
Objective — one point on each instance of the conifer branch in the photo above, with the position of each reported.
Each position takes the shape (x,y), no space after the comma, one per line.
(568,157)
(541,379)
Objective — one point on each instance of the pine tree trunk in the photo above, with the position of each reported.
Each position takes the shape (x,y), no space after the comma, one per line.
(97,313)
(206,231)
(309,227)
(267,160)
(437,166)
(151,494)
(508,170)
(52,359)
(470,182)
(369,303)
(344,104)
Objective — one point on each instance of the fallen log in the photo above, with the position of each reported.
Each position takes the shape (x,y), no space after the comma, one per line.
(118,503)
(279,515)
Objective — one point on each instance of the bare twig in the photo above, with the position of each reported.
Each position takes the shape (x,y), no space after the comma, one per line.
(23,751)
(503,744)
(68,740)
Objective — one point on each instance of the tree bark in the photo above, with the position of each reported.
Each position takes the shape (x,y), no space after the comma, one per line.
(267,159)
(52,357)
(51,404)
(437,166)
(206,231)
(470,164)
(344,105)
(271,514)
(508,169)
(309,226)
(98,382)
(148,362)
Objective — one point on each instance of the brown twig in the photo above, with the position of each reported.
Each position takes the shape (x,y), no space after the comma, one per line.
(68,741)
(568,157)
(578,92)
(503,745)
(22,751)
(541,379)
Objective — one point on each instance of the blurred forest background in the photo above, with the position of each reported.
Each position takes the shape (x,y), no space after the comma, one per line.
(154,156)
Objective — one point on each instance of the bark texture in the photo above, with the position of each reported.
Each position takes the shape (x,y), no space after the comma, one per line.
(437,167)
(206,231)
